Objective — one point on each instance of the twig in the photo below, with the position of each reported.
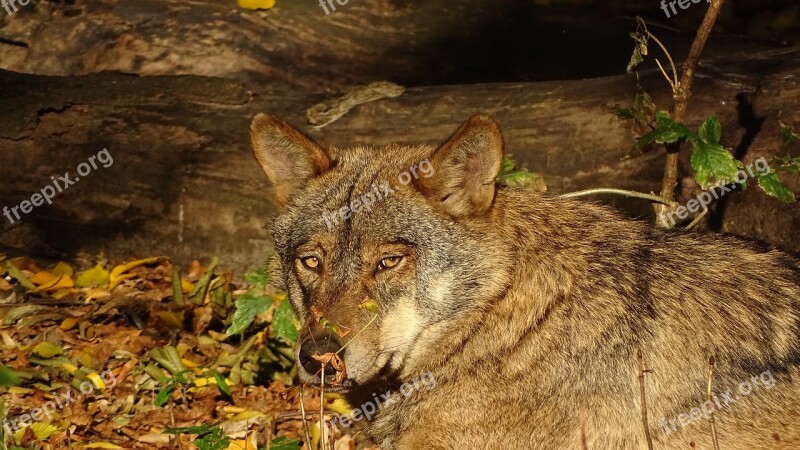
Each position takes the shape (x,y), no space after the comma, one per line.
(714,439)
(674,80)
(681,98)
(354,337)
(651,197)
(306,433)
(643,400)
(322,445)
(696,220)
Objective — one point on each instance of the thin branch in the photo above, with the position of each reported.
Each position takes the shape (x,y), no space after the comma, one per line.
(674,82)
(664,72)
(322,445)
(359,332)
(714,438)
(625,192)
(696,220)
(306,433)
(682,95)
(642,371)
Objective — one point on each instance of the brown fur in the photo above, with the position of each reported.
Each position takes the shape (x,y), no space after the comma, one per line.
(527,310)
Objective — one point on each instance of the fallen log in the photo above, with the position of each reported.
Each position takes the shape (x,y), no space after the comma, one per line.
(183,182)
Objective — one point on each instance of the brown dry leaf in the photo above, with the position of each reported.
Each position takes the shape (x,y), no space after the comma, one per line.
(334,361)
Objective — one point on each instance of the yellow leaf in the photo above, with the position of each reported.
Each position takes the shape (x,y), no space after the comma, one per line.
(119,270)
(69,323)
(96,380)
(189,364)
(97,276)
(62,268)
(201,382)
(340,406)
(248,443)
(186,285)
(173,319)
(103,445)
(61,293)
(182,348)
(70,368)
(44,277)
(19,390)
(46,350)
(256,4)
(116,281)
(43,430)
(62,282)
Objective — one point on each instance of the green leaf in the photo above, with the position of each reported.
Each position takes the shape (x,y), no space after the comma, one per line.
(774,187)
(247,307)
(788,135)
(8,377)
(195,429)
(19,276)
(639,50)
(667,131)
(285,324)
(215,440)
(164,394)
(258,277)
(710,130)
(222,384)
(712,163)
(284,443)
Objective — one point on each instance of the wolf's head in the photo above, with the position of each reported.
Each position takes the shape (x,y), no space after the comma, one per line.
(381,249)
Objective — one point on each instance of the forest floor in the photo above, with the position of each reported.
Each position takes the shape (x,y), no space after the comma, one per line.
(137,355)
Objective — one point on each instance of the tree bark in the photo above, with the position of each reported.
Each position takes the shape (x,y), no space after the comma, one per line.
(183,182)
(297,47)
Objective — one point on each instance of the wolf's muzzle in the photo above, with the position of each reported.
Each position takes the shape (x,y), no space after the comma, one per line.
(321,346)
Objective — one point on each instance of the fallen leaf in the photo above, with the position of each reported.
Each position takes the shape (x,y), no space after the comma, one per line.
(256,4)
(97,276)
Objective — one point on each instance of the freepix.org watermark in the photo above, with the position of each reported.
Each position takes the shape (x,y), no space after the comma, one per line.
(11,5)
(365,201)
(60,184)
(60,400)
(706,197)
(725,399)
(368,409)
(666,5)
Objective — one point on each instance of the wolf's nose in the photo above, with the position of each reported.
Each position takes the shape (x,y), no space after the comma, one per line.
(318,346)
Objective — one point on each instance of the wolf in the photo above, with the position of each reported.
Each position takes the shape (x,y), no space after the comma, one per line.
(547,323)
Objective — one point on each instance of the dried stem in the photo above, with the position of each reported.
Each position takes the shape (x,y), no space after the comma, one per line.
(306,433)
(682,95)
(714,438)
(322,445)
(651,197)
(642,371)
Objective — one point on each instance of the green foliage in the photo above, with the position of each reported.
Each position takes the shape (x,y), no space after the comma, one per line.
(165,393)
(248,306)
(666,131)
(788,135)
(284,443)
(8,377)
(639,50)
(712,162)
(285,325)
(208,437)
(772,185)
(222,384)
(510,175)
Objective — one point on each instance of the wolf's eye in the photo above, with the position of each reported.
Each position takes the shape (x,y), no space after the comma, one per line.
(389,262)
(310,262)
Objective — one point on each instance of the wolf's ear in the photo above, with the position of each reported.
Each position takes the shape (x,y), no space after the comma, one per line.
(465,168)
(286,155)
